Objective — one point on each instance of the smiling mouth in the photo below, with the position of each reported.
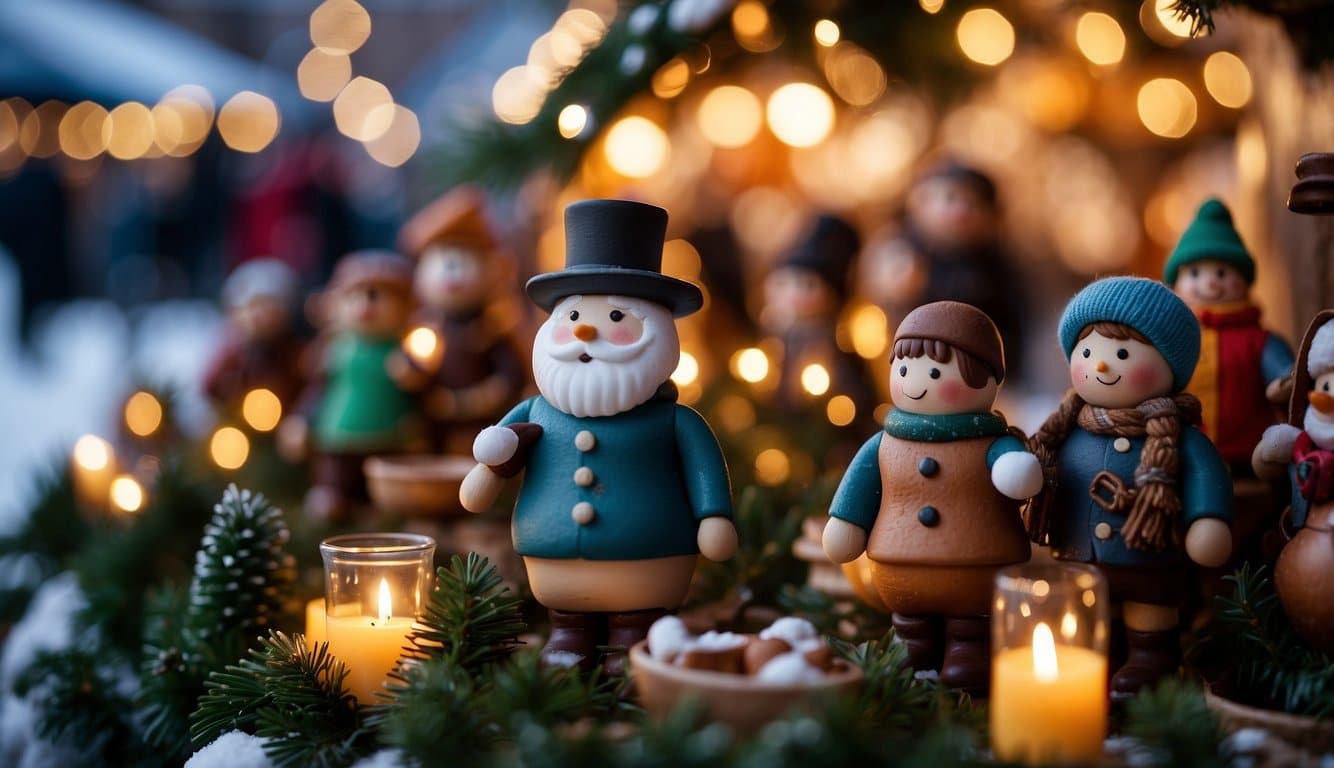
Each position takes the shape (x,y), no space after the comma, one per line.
(1108,383)
(1210,296)
(585,358)
(919,397)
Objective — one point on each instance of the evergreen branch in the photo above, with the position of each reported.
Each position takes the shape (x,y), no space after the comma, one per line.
(549,695)
(51,533)
(763,562)
(1175,725)
(436,709)
(470,618)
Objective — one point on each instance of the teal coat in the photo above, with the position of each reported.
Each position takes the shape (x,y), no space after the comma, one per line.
(1085,532)
(656,471)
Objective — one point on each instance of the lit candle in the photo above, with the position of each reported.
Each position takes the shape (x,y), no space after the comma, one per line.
(370,646)
(1049,690)
(315,632)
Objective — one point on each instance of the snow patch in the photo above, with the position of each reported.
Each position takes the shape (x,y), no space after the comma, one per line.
(233,749)
(48,625)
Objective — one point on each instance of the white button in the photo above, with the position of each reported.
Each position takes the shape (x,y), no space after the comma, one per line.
(583,513)
(1103,531)
(583,477)
(585,441)
(1121,444)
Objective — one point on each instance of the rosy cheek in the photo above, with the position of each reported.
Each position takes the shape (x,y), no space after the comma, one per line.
(563,335)
(1078,372)
(623,336)
(896,388)
(1145,378)
(953,393)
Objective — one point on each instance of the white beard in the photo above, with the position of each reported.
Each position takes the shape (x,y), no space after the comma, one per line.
(1320,429)
(619,377)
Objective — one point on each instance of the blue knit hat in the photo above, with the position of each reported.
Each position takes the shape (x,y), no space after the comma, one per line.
(1149,307)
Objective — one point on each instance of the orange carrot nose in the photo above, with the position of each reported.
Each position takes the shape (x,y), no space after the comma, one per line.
(585,332)
(1322,401)
(1101,367)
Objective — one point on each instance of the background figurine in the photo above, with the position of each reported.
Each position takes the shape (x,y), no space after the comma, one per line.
(473,371)
(260,348)
(1307,455)
(356,408)
(934,498)
(1133,485)
(624,487)
(1243,370)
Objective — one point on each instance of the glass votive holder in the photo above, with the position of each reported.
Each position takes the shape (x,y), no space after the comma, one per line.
(1049,629)
(375,585)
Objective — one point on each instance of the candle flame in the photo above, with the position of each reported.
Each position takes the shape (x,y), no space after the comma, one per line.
(421,343)
(387,602)
(1069,626)
(1044,654)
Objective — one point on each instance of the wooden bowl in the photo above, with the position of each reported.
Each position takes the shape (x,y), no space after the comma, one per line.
(417,485)
(741,702)
(1303,731)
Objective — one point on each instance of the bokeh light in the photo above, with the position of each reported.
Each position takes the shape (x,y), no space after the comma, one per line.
(636,147)
(322,73)
(815,379)
(516,98)
(772,467)
(1100,38)
(687,370)
(931,6)
(1227,79)
(1167,107)
(143,414)
(399,142)
(870,331)
(262,410)
(800,114)
(827,32)
(750,365)
(671,78)
(229,448)
(854,74)
(92,453)
(1174,23)
(127,495)
(840,410)
(249,122)
(985,36)
(82,130)
(572,120)
(341,26)
(363,110)
(730,116)
(129,131)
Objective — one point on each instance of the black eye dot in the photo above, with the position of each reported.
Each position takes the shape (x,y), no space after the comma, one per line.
(1326,386)
(1194,271)
(903,370)
(1122,354)
(574,314)
(617,315)
(1087,352)
(1221,273)
(372,294)
(935,373)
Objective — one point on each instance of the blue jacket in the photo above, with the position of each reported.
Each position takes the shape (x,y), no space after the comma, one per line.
(653,473)
(1085,532)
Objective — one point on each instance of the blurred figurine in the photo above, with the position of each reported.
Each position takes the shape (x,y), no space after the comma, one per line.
(934,499)
(1132,485)
(260,349)
(1243,370)
(803,298)
(469,371)
(624,487)
(358,410)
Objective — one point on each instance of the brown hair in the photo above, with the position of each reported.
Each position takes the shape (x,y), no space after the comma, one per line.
(974,372)
(1114,331)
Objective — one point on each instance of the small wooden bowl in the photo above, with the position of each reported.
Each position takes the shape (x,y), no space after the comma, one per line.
(417,485)
(741,702)
(1303,731)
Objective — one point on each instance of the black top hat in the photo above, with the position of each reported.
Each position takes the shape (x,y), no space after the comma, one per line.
(827,249)
(615,247)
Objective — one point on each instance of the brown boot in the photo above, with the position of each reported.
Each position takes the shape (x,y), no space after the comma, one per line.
(1152,656)
(967,664)
(922,636)
(623,631)
(573,641)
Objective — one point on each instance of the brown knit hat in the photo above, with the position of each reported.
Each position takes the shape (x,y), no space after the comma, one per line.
(379,267)
(960,325)
(459,216)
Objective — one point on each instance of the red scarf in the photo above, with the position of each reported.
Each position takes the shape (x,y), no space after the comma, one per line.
(1315,469)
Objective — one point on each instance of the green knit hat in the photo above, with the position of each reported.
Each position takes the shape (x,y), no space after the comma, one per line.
(1210,236)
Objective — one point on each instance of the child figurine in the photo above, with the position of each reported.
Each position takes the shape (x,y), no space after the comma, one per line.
(1131,481)
(625,488)
(1243,368)
(934,499)
(259,349)
(477,371)
(358,409)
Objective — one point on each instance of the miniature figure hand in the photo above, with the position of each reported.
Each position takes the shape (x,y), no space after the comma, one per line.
(495,445)
(1274,451)
(716,538)
(293,435)
(843,541)
(1279,390)
(1017,474)
(1209,542)
(479,488)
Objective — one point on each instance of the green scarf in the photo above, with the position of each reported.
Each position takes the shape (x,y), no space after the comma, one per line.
(940,429)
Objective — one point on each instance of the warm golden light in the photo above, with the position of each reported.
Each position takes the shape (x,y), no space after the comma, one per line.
(840,410)
(1069,626)
(10,119)
(735,413)
(342,26)
(357,110)
(92,453)
(572,120)
(1167,107)
(636,147)
(827,32)
(750,365)
(931,6)
(1100,38)
(584,25)
(750,19)
(229,448)
(1227,79)
(82,131)
(671,78)
(985,36)
(399,143)
(421,343)
(249,121)
(800,114)
(815,379)
(323,73)
(687,370)
(39,134)
(516,98)
(386,605)
(730,116)
(855,75)
(143,413)
(262,410)
(870,331)
(126,494)
(191,110)
(1178,25)
(1044,654)
(680,259)
(128,131)
(772,467)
